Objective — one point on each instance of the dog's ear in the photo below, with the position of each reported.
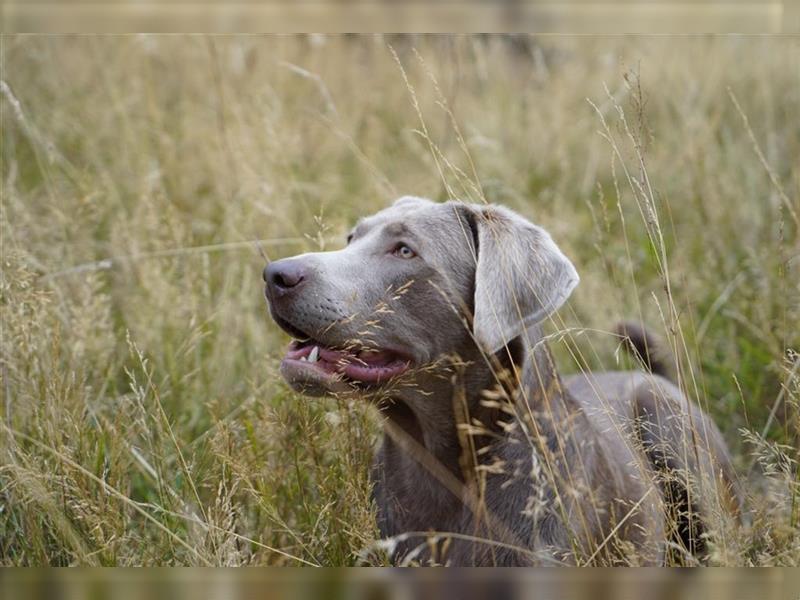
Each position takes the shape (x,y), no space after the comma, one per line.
(521,276)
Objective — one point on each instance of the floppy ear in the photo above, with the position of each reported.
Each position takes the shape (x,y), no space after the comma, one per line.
(521,276)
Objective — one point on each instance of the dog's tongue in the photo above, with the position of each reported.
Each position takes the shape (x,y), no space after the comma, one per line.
(375,358)
(370,358)
(370,366)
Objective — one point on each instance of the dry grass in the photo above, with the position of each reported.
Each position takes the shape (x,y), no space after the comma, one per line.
(143,419)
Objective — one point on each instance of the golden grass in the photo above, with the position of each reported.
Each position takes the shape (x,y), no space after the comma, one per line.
(144,421)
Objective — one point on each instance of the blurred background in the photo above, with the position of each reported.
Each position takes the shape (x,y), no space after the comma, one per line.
(147,179)
(343,16)
(380,584)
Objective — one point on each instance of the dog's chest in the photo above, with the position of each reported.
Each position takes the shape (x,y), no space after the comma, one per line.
(409,498)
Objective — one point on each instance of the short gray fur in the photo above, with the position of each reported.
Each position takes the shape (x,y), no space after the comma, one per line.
(568,469)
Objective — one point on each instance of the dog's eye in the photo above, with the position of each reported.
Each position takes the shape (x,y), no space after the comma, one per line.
(403,251)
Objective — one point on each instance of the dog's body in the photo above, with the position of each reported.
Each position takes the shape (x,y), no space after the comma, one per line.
(434,312)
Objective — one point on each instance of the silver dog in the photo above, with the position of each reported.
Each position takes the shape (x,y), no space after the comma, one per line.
(433,312)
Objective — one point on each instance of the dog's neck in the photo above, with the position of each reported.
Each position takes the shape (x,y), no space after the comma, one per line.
(541,392)
(477,395)
(426,471)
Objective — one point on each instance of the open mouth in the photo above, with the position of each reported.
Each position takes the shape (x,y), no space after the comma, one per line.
(360,365)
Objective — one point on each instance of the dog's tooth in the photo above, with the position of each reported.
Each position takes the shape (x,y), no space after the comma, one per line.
(314,356)
(302,358)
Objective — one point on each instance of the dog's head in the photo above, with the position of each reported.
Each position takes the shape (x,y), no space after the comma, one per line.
(417,282)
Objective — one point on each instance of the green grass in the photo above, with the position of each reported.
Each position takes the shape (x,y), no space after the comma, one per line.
(144,421)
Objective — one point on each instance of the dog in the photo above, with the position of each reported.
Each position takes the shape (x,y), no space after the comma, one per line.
(434,312)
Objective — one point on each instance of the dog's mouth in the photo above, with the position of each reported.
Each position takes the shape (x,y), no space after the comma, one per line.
(371,366)
(308,361)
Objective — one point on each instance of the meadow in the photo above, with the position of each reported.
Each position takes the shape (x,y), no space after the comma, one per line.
(147,180)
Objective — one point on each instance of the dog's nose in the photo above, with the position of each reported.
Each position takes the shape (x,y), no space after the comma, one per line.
(283,275)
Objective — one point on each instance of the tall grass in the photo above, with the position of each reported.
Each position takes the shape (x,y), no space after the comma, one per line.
(146,178)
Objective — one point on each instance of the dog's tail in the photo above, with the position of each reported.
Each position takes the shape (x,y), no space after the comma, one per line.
(647,347)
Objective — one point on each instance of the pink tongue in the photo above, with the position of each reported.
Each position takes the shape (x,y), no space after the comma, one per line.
(375,358)
(369,358)
(366,358)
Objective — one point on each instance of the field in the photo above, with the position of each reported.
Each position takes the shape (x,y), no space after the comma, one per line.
(144,421)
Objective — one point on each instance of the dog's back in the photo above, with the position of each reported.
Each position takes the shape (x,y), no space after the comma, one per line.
(684,448)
